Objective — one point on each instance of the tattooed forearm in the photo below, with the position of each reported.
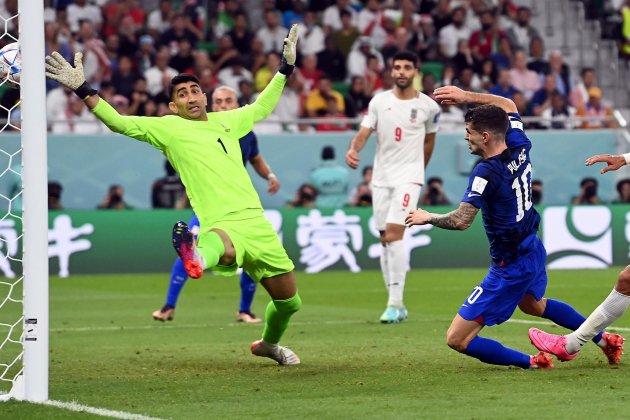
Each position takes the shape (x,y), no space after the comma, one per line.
(458,219)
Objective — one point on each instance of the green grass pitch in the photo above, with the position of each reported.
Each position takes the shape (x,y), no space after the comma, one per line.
(107,352)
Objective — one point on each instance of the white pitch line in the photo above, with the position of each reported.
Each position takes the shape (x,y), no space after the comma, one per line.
(73,406)
(234,324)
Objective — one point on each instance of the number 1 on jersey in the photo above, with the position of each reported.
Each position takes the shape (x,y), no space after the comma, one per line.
(222,145)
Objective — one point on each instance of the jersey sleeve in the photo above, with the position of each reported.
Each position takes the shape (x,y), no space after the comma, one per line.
(370,119)
(479,185)
(515,136)
(139,128)
(243,118)
(433,122)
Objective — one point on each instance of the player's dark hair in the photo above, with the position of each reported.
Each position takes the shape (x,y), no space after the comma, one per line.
(180,78)
(488,118)
(406,55)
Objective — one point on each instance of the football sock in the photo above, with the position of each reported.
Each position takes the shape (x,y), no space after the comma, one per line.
(385,266)
(277,318)
(495,353)
(608,312)
(210,246)
(564,315)
(398,264)
(248,288)
(178,279)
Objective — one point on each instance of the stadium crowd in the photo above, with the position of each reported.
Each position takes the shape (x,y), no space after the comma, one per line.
(132,48)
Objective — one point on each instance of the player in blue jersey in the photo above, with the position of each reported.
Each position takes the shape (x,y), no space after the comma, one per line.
(224,98)
(500,185)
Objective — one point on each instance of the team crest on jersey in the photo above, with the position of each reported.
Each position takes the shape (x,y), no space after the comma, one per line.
(414,115)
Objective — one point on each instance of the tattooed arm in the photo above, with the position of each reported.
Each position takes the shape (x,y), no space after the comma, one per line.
(459,219)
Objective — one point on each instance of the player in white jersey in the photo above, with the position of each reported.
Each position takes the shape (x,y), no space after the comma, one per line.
(406,122)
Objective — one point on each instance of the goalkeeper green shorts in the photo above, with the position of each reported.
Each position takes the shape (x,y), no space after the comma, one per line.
(258,248)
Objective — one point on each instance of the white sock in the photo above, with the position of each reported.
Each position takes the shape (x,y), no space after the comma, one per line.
(398,260)
(385,267)
(608,312)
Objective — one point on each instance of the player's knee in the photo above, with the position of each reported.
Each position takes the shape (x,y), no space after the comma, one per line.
(455,341)
(623,282)
(289,306)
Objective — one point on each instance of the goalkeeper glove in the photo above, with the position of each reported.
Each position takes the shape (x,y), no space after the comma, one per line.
(57,68)
(289,52)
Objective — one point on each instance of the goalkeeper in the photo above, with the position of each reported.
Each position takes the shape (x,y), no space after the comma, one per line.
(204,149)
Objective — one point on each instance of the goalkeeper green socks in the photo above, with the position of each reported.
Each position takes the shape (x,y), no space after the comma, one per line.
(210,246)
(277,318)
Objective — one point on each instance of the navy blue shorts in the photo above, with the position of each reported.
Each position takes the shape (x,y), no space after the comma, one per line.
(494,300)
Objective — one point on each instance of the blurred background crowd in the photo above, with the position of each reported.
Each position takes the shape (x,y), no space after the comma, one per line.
(132,48)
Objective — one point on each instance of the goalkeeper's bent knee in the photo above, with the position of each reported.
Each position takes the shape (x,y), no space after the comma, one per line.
(288,306)
(210,246)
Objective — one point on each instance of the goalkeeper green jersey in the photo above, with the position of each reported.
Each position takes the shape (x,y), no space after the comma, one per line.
(206,154)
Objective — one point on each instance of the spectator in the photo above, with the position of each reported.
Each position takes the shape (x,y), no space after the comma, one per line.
(309,73)
(316,102)
(80,10)
(399,43)
(305,197)
(561,72)
(483,42)
(523,79)
(225,54)
(537,192)
(232,75)
(450,35)
(537,62)
(503,57)
(272,34)
(424,41)
(159,20)
(429,84)
(487,74)
(116,12)
(523,32)
(181,28)
(75,118)
(373,74)
(370,22)
(54,195)
(463,58)
(357,99)
(293,14)
(333,118)
(246,92)
(265,74)
(347,34)
(331,181)
(53,41)
(145,54)
(623,189)
(289,107)
(96,64)
(504,85)
(184,60)
(312,36)
(542,97)
(124,77)
(361,196)
(160,74)
(579,93)
(357,59)
(114,199)
(331,19)
(559,115)
(168,191)
(434,194)
(596,108)
(332,61)
(588,192)
(240,34)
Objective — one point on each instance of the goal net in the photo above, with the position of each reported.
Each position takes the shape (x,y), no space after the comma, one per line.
(23,212)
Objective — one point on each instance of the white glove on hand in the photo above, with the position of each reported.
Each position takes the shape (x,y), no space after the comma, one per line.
(290,45)
(57,68)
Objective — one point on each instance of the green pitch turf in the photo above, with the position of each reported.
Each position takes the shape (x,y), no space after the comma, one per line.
(107,352)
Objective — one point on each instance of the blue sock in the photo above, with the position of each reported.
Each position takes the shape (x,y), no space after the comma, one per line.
(495,353)
(564,315)
(248,288)
(178,279)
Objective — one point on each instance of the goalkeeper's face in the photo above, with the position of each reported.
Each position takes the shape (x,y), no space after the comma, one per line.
(189,101)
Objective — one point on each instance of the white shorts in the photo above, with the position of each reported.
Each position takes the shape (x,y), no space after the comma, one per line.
(393,204)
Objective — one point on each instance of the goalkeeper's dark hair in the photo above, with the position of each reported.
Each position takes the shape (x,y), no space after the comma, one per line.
(406,55)
(489,118)
(180,78)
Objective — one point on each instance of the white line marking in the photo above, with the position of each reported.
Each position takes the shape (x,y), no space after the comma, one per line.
(157,326)
(73,406)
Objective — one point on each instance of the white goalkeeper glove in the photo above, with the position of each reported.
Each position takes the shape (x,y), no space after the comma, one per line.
(57,68)
(289,52)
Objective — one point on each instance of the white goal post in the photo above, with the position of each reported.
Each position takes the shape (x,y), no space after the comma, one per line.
(30,381)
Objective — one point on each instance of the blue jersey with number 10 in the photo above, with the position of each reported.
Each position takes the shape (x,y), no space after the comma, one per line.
(501,186)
